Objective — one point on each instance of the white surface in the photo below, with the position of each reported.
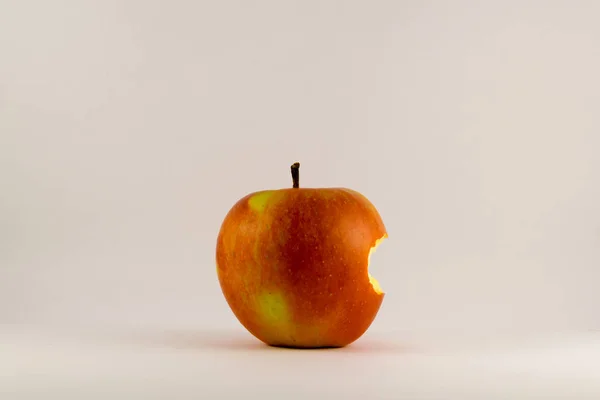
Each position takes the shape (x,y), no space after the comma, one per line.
(128,128)
(40,364)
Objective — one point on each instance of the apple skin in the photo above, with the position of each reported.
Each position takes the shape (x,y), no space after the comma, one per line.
(293,265)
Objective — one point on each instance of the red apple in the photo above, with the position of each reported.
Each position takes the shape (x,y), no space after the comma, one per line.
(293,265)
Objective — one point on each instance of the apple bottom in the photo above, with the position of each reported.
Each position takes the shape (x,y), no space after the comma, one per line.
(282,318)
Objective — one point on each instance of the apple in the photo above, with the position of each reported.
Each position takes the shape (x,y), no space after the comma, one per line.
(293,265)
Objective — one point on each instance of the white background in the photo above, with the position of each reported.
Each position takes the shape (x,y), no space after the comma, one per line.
(129,128)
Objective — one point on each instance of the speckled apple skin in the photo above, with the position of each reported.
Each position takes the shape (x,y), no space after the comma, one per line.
(293,265)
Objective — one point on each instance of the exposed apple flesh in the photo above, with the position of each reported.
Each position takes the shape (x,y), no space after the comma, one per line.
(293,265)
(376,287)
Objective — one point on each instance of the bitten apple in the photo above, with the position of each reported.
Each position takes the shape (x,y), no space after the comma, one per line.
(293,265)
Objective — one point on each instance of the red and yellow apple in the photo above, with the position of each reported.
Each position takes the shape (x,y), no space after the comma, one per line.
(293,265)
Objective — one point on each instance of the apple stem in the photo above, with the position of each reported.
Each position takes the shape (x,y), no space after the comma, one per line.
(296,175)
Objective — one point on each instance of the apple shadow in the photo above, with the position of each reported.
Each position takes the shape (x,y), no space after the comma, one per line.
(371,346)
(364,346)
(198,340)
